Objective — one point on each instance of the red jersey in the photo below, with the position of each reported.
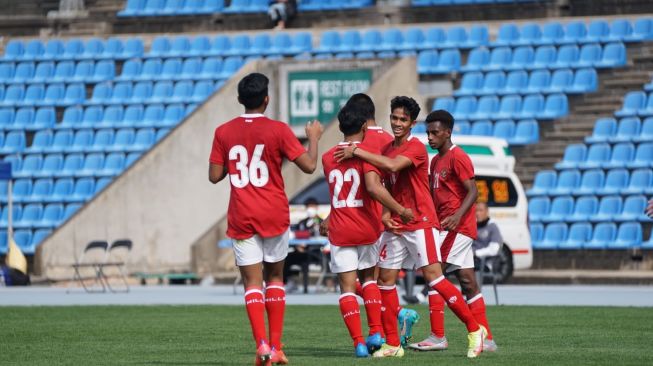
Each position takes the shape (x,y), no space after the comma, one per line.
(376,137)
(448,173)
(251,148)
(410,187)
(355,217)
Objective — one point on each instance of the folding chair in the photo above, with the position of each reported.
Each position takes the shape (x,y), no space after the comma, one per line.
(93,256)
(488,267)
(116,257)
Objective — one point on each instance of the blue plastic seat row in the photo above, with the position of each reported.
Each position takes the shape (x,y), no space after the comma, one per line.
(393,39)
(239,45)
(40,95)
(51,72)
(629,129)
(138,8)
(315,5)
(522,132)
(508,107)
(62,190)
(520,82)
(543,57)
(73,49)
(582,235)
(27,118)
(602,155)
(432,62)
(211,68)
(592,182)
(619,30)
(118,116)
(148,92)
(636,103)
(587,208)
(37,215)
(27,240)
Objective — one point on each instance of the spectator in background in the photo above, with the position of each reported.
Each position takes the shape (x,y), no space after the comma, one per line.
(299,256)
(488,241)
(649,208)
(281,11)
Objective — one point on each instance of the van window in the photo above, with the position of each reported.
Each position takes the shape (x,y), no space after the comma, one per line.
(496,191)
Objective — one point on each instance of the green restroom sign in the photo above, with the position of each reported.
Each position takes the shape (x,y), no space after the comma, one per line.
(320,94)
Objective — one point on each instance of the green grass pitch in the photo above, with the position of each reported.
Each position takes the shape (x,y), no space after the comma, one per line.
(314,335)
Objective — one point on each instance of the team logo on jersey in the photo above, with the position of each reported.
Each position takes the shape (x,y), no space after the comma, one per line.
(444,173)
(453,299)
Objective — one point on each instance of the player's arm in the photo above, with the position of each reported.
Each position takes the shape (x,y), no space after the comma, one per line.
(307,161)
(451,222)
(394,165)
(378,192)
(216,173)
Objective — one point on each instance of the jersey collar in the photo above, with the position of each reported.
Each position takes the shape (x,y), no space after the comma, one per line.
(345,143)
(452,146)
(252,115)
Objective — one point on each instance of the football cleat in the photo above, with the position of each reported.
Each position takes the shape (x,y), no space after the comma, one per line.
(278,357)
(431,343)
(374,342)
(490,345)
(475,342)
(263,355)
(387,350)
(361,350)
(407,319)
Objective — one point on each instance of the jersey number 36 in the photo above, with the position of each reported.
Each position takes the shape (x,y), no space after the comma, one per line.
(253,171)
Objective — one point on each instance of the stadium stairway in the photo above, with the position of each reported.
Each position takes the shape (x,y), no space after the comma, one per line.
(584,110)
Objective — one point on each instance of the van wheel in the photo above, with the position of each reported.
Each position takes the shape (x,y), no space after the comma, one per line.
(504,272)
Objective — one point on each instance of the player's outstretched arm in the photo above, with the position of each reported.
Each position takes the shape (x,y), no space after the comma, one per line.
(394,165)
(216,173)
(307,161)
(376,189)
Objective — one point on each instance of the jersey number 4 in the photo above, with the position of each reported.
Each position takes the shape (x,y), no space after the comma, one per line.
(254,171)
(337,178)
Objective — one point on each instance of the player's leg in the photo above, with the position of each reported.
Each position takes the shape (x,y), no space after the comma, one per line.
(368,256)
(275,250)
(428,257)
(344,262)
(249,258)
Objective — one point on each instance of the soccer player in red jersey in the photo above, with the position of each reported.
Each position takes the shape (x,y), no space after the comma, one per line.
(405,160)
(355,223)
(250,149)
(454,193)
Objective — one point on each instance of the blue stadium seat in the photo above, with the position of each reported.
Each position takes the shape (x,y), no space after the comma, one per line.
(590,54)
(609,206)
(153,114)
(6,120)
(14,95)
(22,188)
(532,106)
(181,92)
(24,72)
(92,163)
(51,165)
(104,70)
(598,31)
(539,81)
(43,72)
(545,57)
(604,129)
(199,46)
(44,118)
(84,189)
(153,7)
(481,128)
(143,140)
(537,233)
(161,92)
(642,30)
(101,184)
(30,165)
(568,56)
(53,50)
(620,30)
(584,209)
(230,66)
(102,140)
(492,83)
(543,182)
(516,83)
(220,45)
(633,102)
(161,133)
(633,209)
(500,58)
(42,188)
(614,55)
(476,60)
(23,239)
(240,46)
(561,207)
(538,207)
(561,80)
(260,44)
(142,92)
(622,153)
(392,40)
(123,138)
(646,133)
(81,142)
(434,38)
(113,165)
(113,49)
(486,108)
(349,42)
(174,113)
(72,116)
(63,187)
(591,182)
(53,94)
(131,70)
(640,182)
(14,143)
(71,164)
(93,49)
(151,69)
(101,94)
(42,139)
(75,94)
(629,236)
(70,210)
(34,49)
(7,70)
(510,107)
(465,106)
(133,115)
(604,234)
(133,48)
(132,8)
(522,57)
(579,234)
(585,81)
(448,61)
(597,155)
(14,50)
(552,33)
(504,129)
(554,234)
(370,40)
(60,142)
(64,71)
(131,158)
(73,49)
(201,91)
(575,32)
(508,35)
(457,38)
(52,215)
(470,84)
(568,181)
(16,214)
(211,68)
(462,128)
(33,95)
(556,106)
(426,62)
(92,117)
(413,39)
(32,213)
(190,69)
(643,156)
(172,7)
(530,34)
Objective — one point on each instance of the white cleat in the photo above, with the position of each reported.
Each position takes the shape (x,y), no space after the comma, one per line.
(489,346)
(431,343)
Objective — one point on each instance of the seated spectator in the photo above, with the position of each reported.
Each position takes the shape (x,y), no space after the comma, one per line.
(299,255)
(281,11)
(488,240)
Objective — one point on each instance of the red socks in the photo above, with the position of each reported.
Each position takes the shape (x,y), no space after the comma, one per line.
(455,301)
(255,305)
(477,307)
(436,312)
(352,316)
(372,299)
(275,304)
(389,313)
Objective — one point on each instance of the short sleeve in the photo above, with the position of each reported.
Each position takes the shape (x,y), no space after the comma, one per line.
(416,152)
(217,150)
(463,167)
(367,167)
(289,144)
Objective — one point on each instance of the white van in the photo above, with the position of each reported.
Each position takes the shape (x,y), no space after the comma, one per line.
(497,183)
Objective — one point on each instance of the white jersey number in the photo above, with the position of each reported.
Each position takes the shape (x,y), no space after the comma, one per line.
(351,175)
(256,172)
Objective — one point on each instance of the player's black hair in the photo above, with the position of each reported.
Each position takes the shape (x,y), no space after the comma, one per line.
(409,105)
(351,119)
(441,116)
(364,104)
(252,90)
(310,201)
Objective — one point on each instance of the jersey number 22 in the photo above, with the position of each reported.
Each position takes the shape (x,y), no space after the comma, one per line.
(351,175)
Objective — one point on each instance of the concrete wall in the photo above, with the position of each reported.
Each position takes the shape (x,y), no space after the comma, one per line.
(399,79)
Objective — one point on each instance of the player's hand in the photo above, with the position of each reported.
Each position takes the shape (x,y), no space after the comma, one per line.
(391,225)
(324,227)
(344,152)
(451,222)
(314,130)
(406,215)
(649,208)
